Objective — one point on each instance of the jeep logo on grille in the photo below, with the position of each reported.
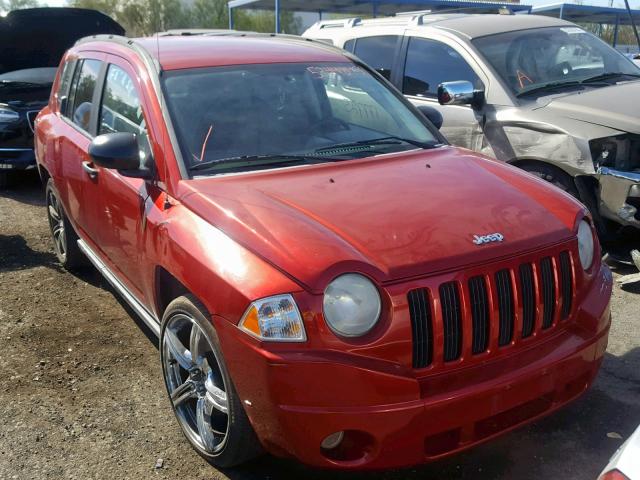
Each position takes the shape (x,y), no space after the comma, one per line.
(482,239)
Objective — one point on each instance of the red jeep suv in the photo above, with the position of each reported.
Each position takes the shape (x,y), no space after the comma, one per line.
(328,278)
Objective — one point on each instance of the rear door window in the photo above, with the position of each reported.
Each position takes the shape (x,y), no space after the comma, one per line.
(349,44)
(378,52)
(430,63)
(82,89)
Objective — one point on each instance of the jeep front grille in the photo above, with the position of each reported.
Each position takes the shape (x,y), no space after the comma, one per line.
(505,304)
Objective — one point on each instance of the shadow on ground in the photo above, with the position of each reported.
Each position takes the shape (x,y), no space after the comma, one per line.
(15,255)
(25,187)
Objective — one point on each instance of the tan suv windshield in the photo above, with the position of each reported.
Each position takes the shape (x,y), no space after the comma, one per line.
(529,60)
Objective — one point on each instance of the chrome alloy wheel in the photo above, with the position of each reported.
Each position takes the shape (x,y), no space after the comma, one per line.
(195,383)
(56,222)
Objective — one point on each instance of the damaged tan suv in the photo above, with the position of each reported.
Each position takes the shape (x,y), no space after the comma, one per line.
(537,92)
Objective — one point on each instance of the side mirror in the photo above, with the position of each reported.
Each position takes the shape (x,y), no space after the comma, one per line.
(432,114)
(119,151)
(457,93)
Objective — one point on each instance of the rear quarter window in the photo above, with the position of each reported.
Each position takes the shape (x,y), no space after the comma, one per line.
(80,103)
(65,79)
(378,52)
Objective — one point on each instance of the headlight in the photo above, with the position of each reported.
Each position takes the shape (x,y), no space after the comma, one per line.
(585,244)
(274,319)
(351,305)
(7,115)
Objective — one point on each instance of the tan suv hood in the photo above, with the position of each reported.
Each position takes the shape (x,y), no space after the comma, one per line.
(617,106)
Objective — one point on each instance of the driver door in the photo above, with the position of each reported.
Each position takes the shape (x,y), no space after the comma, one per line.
(428,63)
(119,201)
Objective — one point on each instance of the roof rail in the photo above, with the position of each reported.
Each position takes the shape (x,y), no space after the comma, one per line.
(342,23)
(413,13)
(186,32)
(417,16)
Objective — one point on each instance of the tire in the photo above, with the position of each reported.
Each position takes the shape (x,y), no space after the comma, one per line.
(201,389)
(552,175)
(65,239)
(4,180)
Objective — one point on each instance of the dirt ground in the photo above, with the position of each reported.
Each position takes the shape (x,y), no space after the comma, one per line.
(82,396)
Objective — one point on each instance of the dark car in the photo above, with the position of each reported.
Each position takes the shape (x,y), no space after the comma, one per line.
(32,43)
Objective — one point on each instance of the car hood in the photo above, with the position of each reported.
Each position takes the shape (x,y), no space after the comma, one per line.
(38,37)
(391,217)
(614,106)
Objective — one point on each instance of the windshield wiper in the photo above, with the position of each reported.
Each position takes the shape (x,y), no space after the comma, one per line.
(548,86)
(261,160)
(391,140)
(609,75)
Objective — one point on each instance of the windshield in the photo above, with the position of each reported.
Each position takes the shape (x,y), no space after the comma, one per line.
(246,117)
(529,60)
(37,76)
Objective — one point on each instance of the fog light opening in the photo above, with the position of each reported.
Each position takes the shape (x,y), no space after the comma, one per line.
(348,446)
(332,441)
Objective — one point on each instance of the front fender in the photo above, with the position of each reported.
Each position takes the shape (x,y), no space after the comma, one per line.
(225,276)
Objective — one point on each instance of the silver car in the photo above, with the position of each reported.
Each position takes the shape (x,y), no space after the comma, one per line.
(625,463)
(537,92)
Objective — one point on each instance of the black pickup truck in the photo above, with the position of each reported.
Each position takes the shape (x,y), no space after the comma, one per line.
(32,42)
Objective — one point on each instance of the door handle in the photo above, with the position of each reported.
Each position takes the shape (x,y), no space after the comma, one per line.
(92,172)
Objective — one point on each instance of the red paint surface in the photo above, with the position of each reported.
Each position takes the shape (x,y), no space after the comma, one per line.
(234,239)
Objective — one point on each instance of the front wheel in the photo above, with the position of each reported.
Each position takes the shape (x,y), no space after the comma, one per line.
(552,175)
(200,389)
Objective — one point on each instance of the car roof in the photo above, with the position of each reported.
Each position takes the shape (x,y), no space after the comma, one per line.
(480,25)
(209,50)
(466,25)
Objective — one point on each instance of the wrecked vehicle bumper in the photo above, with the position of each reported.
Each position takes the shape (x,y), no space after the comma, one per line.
(17,159)
(620,196)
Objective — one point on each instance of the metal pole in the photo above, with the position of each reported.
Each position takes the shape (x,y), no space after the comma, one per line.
(561,11)
(633,23)
(375,10)
(277,16)
(615,31)
(319,15)
(230,18)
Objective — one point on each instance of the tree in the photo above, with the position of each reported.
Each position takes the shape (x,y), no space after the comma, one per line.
(145,17)
(8,5)
(142,17)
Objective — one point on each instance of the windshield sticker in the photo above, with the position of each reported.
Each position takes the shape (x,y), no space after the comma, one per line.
(341,69)
(572,30)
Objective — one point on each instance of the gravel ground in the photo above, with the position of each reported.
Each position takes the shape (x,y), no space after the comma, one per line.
(82,393)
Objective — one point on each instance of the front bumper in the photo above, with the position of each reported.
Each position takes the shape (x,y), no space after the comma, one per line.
(620,196)
(393,417)
(17,159)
